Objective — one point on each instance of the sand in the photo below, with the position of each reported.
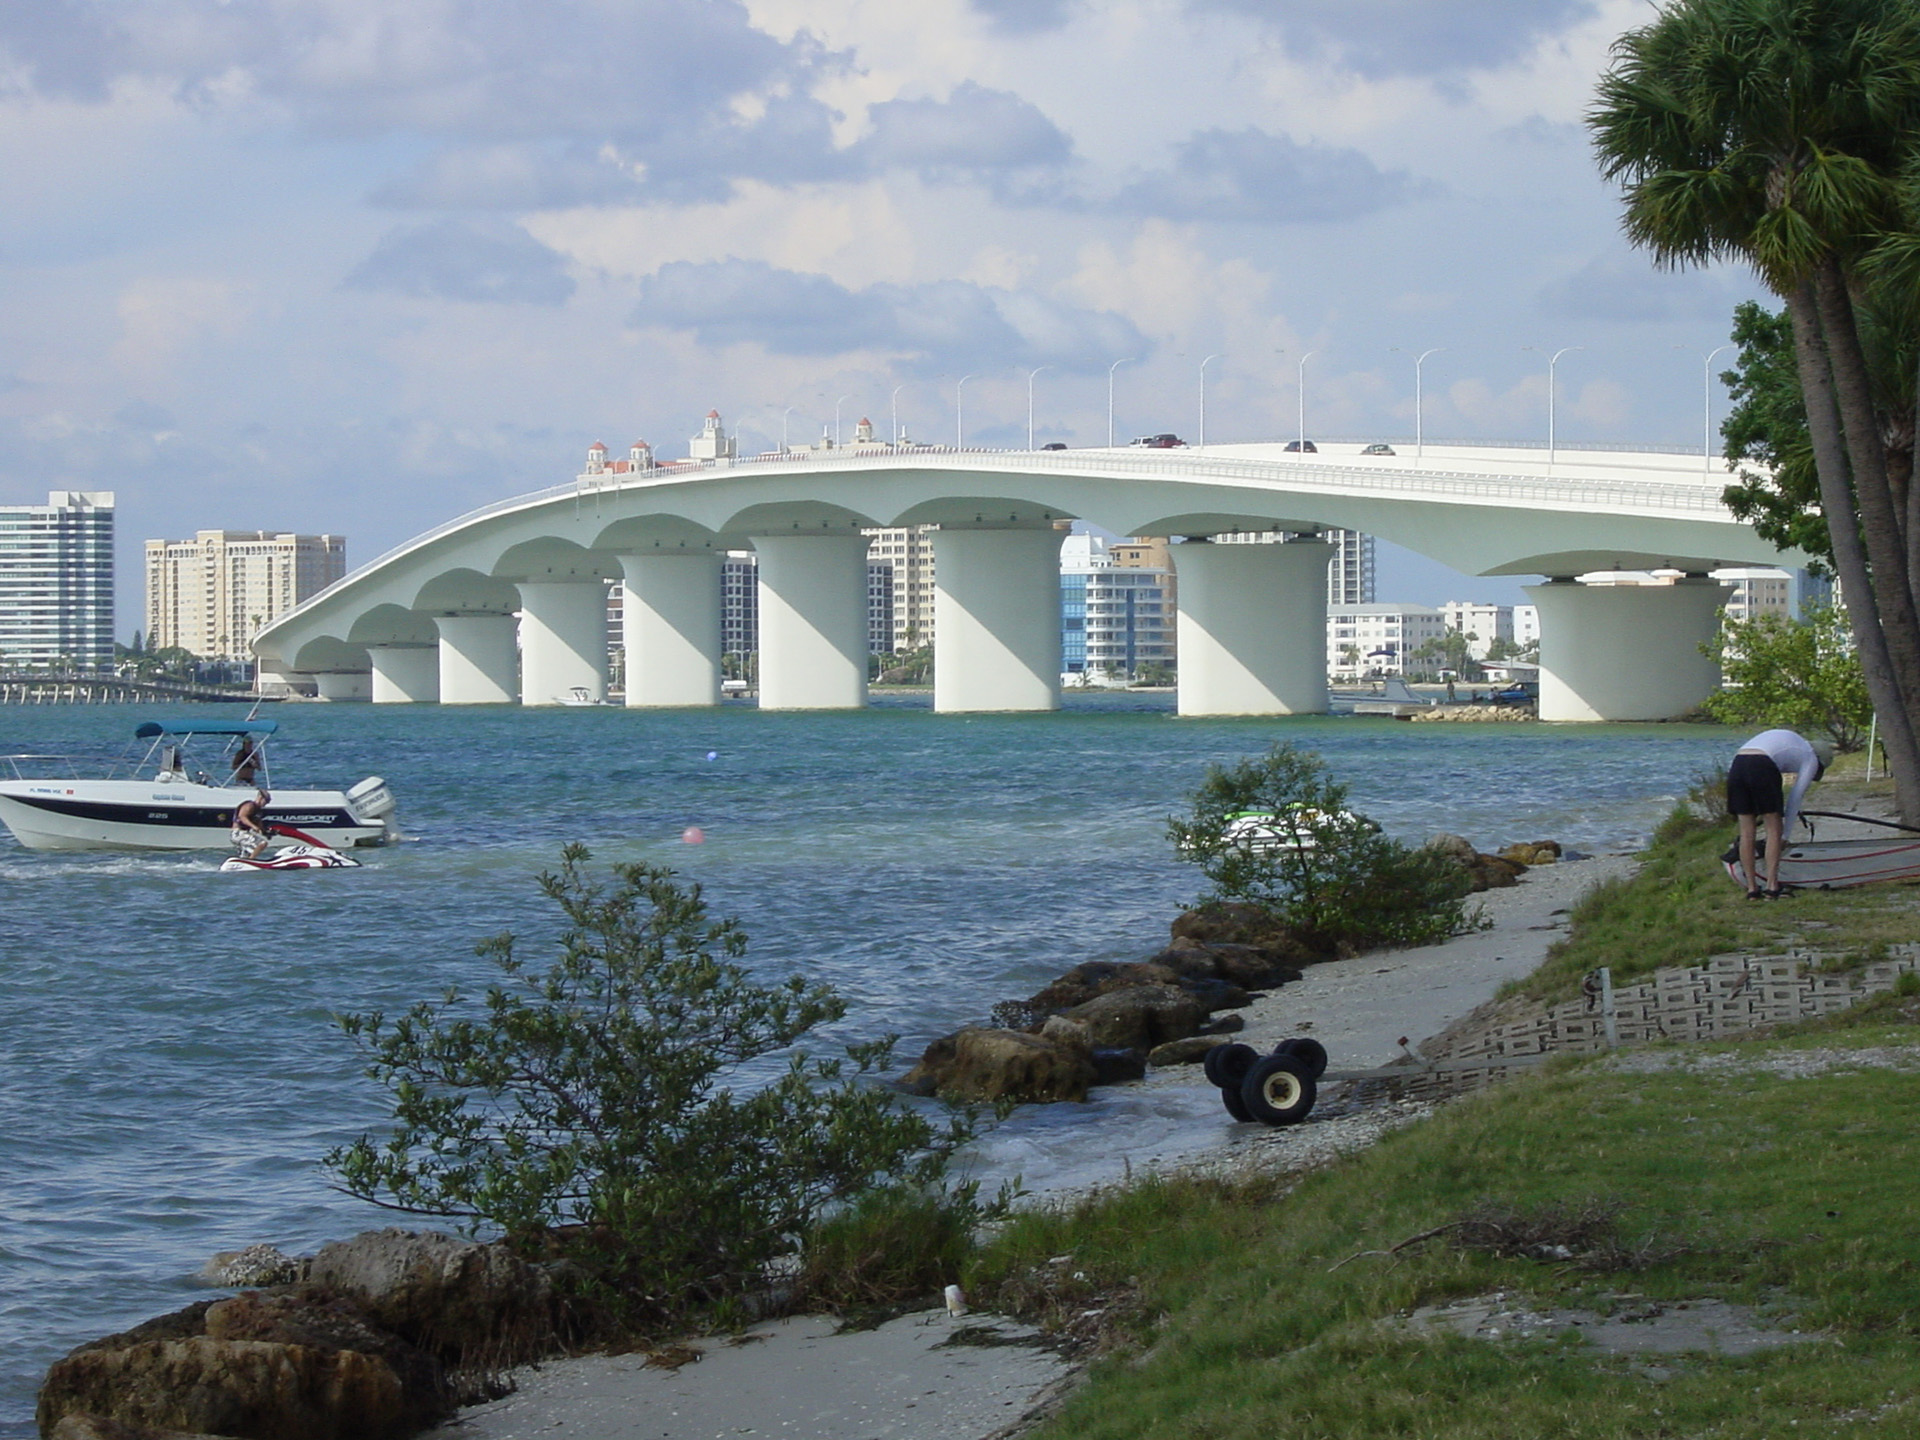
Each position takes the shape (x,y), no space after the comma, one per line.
(918,1378)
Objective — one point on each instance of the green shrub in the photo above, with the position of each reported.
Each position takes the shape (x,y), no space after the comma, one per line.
(590,1111)
(1335,881)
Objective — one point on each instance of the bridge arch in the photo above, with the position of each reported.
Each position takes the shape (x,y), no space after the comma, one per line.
(515,592)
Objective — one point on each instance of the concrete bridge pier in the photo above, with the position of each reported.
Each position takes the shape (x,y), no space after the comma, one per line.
(813,621)
(405,674)
(341,684)
(479,663)
(670,620)
(996,609)
(1252,627)
(563,640)
(1625,652)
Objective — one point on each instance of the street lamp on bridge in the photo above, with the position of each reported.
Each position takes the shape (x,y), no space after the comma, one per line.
(1030,374)
(1303,398)
(1110,369)
(1563,350)
(960,414)
(1203,397)
(836,419)
(1419,426)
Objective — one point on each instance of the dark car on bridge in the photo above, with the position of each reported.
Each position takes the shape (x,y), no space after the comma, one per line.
(1302,447)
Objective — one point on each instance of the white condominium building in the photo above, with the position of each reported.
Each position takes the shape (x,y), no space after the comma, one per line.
(211,594)
(1485,623)
(56,582)
(1367,640)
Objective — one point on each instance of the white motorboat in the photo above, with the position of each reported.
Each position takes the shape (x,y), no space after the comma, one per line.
(155,797)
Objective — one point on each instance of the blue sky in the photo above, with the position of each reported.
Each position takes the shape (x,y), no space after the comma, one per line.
(360,265)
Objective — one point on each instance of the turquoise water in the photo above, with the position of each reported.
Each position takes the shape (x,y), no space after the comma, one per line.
(171,1072)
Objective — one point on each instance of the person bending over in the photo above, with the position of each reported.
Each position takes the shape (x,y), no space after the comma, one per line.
(1756,792)
(249,828)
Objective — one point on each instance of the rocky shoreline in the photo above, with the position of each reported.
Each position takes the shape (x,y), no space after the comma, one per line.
(377,1337)
(1106,1023)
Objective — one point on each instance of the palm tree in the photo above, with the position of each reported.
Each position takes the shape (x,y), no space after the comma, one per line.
(1776,131)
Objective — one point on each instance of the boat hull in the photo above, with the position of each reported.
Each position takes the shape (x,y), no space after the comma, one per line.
(1837,864)
(150,815)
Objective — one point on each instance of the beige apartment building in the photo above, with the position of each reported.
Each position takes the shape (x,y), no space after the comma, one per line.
(211,594)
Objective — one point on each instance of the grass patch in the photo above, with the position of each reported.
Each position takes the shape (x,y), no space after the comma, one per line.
(1741,1185)
(1680,908)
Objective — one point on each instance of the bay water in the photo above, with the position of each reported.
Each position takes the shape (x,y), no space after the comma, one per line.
(171,1070)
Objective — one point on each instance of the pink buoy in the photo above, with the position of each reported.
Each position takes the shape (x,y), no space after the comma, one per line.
(694,835)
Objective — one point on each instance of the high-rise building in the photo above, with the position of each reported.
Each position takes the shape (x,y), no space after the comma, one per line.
(211,594)
(56,581)
(909,551)
(1115,620)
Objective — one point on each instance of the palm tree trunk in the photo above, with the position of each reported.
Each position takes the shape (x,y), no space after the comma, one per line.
(1882,520)
(1849,555)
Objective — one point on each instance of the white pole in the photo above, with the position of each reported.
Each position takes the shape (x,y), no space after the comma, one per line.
(1030,375)
(1419,426)
(1550,364)
(960,414)
(1203,398)
(836,419)
(1303,398)
(1706,408)
(787,415)
(1110,369)
(894,407)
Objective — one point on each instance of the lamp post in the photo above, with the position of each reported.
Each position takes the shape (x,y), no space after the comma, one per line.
(1303,399)
(1563,350)
(1706,408)
(1030,374)
(960,414)
(785,416)
(893,407)
(1203,398)
(1110,369)
(836,419)
(1419,424)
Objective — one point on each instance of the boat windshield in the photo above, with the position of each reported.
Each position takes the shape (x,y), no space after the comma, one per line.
(165,755)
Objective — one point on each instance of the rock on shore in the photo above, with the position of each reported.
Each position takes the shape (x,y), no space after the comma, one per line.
(388,1333)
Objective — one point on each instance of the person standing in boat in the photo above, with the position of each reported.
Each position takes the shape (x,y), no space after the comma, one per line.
(249,828)
(1756,792)
(246,761)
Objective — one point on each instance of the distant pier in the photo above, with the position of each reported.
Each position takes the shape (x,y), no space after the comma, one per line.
(43,689)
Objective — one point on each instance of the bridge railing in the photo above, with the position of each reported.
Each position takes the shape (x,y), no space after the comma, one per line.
(1692,496)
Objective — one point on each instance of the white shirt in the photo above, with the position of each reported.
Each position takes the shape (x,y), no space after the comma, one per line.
(1795,756)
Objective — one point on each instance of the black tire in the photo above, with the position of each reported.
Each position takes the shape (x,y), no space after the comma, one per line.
(1236,1107)
(1279,1090)
(1306,1048)
(1227,1065)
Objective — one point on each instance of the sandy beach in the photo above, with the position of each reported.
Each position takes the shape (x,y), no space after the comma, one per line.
(932,1376)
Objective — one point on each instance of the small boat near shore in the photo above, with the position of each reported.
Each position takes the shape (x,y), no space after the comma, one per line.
(157,796)
(1839,864)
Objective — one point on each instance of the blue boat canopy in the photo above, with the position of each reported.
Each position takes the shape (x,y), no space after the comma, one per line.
(205,727)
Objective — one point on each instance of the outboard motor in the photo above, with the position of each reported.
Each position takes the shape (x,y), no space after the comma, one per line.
(371,799)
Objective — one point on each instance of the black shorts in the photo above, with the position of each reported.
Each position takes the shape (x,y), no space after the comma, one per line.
(1753,786)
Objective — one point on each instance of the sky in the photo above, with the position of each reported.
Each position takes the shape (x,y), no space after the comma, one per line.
(358,266)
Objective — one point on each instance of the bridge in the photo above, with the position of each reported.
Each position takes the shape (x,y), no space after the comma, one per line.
(508,603)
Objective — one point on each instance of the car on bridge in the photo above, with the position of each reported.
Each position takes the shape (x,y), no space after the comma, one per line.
(1378,449)
(1302,447)
(1161,442)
